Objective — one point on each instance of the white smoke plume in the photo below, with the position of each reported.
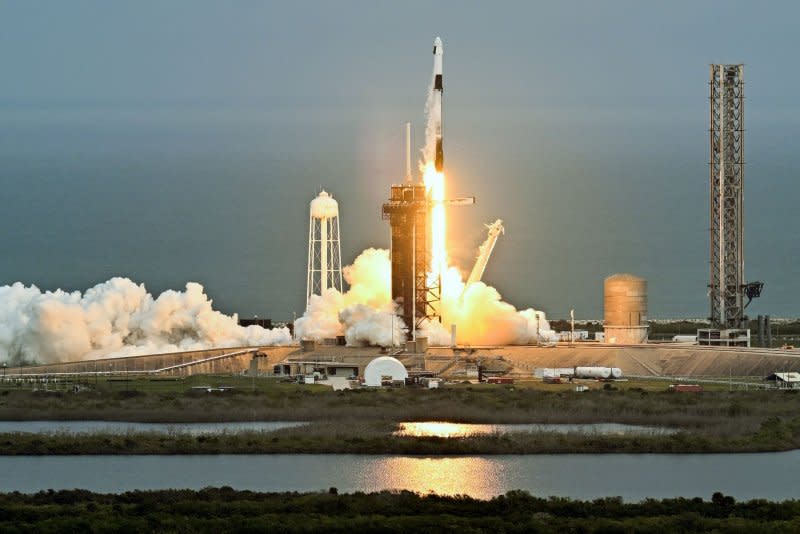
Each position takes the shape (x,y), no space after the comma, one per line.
(116,318)
(365,314)
(483,318)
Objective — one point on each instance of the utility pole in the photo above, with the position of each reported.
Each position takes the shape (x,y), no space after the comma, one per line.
(572,327)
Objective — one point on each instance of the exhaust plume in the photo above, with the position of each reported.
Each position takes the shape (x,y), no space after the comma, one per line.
(116,318)
(365,314)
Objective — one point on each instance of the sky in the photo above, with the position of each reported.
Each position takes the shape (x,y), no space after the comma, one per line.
(182,141)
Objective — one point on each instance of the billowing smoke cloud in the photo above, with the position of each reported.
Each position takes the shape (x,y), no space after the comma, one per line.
(365,314)
(482,318)
(116,318)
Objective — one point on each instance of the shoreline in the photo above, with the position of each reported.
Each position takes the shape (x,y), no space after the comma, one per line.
(317,439)
(362,421)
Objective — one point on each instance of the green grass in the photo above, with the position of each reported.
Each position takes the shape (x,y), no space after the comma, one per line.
(715,420)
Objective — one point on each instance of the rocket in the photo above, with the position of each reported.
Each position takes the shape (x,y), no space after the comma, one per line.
(437,101)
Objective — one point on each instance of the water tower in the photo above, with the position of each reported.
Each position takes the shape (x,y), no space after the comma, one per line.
(324,251)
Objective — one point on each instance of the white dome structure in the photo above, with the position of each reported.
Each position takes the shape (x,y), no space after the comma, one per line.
(384,367)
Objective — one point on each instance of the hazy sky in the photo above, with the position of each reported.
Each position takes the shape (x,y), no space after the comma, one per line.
(172,141)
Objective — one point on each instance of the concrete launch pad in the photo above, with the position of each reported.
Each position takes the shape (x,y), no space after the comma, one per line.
(638,360)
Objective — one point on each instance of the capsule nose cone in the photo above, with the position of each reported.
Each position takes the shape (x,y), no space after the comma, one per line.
(437,46)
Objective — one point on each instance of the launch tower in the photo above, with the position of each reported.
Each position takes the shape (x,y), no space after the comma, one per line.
(407,212)
(727,288)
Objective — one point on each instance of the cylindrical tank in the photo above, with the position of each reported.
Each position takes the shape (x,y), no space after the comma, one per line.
(625,300)
(625,307)
(593,372)
(616,372)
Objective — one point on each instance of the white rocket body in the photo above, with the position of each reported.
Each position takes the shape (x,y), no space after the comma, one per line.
(436,108)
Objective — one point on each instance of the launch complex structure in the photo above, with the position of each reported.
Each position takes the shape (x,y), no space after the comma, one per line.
(416,287)
(727,288)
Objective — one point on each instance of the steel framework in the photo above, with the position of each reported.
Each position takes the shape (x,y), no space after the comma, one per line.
(412,288)
(726,286)
(324,251)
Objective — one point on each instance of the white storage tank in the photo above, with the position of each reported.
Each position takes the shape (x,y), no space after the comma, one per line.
(593,372)
(625,309)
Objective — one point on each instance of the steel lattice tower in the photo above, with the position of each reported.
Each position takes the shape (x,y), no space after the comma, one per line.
(324,248)
(727,286)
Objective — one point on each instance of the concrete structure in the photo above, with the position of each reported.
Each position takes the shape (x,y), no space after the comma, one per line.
(234,360)
(655,360)
(324,249)
(625,306)
(384,368)
(729,337)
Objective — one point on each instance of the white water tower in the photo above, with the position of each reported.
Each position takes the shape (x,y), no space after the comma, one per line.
(324,251)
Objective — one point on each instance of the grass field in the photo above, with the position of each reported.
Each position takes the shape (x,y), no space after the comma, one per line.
(716,420)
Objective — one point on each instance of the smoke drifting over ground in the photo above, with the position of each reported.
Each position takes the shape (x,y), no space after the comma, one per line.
(116,318)
(365,314)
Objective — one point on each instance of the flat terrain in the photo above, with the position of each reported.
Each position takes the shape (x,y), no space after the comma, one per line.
(362,421)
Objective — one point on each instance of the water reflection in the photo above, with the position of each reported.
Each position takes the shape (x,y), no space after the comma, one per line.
(473,475)
(582,476)
(442,429)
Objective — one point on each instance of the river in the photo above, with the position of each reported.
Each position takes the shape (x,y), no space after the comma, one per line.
(634,477)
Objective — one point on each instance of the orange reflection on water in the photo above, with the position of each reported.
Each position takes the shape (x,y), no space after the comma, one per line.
(474,476)
(439,429)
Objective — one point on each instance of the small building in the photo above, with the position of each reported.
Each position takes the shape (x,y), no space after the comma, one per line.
(732,337)
(788,380)
(580,335)
(315,367)
(430,383)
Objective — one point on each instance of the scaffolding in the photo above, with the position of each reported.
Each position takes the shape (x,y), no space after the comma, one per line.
(413,289)
(726,286)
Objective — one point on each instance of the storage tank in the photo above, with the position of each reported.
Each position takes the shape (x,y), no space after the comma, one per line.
(593,372)
(625,307)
